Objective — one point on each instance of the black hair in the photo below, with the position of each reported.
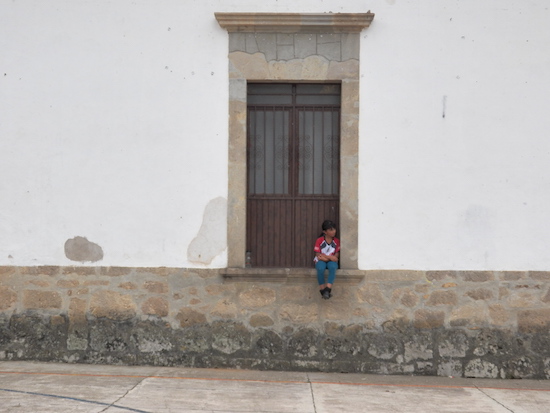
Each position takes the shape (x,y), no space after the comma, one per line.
(327,224)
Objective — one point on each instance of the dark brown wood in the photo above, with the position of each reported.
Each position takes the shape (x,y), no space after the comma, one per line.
(293,171)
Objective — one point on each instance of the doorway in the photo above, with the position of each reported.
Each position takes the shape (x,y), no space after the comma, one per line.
(293,170)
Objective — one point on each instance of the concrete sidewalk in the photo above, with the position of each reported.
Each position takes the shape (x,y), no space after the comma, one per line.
(58,388)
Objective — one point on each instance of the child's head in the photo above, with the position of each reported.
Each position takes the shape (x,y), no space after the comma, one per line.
(328,224)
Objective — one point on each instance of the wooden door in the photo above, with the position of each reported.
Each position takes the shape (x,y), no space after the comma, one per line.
(293,158)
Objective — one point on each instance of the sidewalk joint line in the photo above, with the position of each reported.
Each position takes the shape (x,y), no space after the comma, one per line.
(311,391)
(493,399)
(124,395)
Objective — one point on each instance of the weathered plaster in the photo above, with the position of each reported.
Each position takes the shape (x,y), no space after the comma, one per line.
(80,249)
(211,239)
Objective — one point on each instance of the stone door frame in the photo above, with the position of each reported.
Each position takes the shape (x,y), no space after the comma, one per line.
(294,47)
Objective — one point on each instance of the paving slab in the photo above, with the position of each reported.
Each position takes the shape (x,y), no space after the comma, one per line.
(27,387)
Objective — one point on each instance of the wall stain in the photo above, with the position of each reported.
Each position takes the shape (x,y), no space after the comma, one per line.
(212,237)
(80,249)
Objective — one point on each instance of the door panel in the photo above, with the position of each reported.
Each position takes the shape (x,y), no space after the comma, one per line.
(293,170)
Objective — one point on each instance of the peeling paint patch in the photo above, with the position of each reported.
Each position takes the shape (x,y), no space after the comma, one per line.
(80,249)
(212,237)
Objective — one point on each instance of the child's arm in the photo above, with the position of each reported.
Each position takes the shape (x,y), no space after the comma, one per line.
(322,257)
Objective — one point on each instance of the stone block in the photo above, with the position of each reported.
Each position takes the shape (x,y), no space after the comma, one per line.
(250,66)
(35,299)
(8,298)
(350,44)
(237,90)
(511,275)
(426,319)
(314,68)
(261,320)
(540,275)
(269,344)
(285,39)
(300,314)
(112,305)
(267,44)
(77,311)
(224,308)
(332,51)
(115,271)
(229,338)
(303,344)
(499,315)
(477,276)
(68,283)
(452,344)
(440,275)
(7,270)
(405,296)
(481,369)
(78,271)
(128,286)
(189,317)
(383,347)
(156,287)
(337,309)
(250,43)
(470,315)
(237,42)
(419,348)
(348,70)
(370,293)
(256,297)
(39,283)
(48,270)
(96,282)
(444,297)
(532,321)
(480,294)
(323,38)
(155,306)
(305,45)
(285,52)
(449,368)
(522,299)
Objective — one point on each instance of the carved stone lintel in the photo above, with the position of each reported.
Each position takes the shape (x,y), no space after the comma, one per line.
(295,22)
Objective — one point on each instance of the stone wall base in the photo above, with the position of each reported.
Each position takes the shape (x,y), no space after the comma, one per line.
(447,323)
(484,353)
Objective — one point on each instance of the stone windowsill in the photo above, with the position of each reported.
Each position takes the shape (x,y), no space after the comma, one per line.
(287,275)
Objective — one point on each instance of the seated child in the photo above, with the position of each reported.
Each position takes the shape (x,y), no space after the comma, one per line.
(327,254)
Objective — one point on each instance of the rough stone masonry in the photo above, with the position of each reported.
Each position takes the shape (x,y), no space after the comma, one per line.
(452,323)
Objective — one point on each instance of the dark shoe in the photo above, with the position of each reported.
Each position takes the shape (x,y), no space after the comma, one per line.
(326,293)
(322,292)
(329,292)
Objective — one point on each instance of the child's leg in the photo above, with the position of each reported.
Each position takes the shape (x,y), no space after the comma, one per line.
(321,266)
(332,267)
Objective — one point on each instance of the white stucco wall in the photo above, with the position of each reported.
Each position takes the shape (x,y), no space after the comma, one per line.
(110,131)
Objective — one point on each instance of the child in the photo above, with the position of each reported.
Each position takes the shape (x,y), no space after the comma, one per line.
(327,254)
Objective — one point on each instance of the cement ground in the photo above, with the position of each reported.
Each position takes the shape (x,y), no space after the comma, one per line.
(59,388)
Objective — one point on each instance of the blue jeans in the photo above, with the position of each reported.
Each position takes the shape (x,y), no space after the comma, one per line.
(321,266)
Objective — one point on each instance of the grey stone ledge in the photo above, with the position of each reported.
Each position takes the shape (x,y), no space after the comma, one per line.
(287,275)
(295,22)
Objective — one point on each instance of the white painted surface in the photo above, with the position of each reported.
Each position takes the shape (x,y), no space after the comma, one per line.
(109,131)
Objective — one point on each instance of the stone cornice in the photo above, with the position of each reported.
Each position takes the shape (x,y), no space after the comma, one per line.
(295,22)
